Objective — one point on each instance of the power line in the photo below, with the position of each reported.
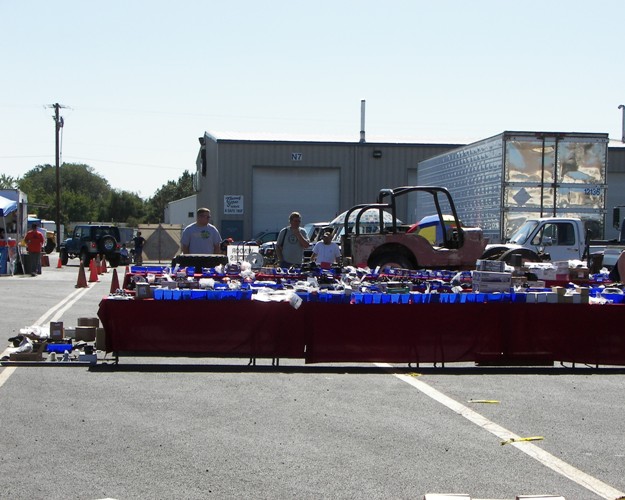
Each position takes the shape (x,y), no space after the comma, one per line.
(124,163)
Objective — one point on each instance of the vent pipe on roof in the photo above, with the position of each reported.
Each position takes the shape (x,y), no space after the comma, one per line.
(622,106)
(362,120)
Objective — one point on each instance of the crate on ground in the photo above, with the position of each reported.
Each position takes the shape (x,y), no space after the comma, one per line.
(35,355)
(95,322)
(86,333)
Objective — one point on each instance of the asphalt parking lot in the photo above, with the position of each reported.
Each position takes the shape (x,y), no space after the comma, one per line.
(215,428)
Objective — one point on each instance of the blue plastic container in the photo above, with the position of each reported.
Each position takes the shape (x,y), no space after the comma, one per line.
(59,348)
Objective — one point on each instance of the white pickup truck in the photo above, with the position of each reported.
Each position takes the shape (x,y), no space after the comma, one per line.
(613,248)
(554,238)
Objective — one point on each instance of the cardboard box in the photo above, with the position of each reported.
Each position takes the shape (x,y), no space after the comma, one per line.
(36,355)
(85,333)
(100,339)
(579,273)
(545,272)
(490,287)
(491,277)
(56,330)
(95,322)
(144,291)
(497,266)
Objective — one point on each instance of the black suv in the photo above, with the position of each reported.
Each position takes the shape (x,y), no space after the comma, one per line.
(88,240)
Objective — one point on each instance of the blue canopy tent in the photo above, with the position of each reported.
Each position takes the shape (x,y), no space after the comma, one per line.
(7,206)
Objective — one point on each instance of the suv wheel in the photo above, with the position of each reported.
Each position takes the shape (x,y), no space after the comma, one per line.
(107,245)
(63,256)
(85,258)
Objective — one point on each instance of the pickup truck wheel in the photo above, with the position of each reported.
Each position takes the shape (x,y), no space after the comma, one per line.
(524,254)
(49,246)
(493,254)
(63,256)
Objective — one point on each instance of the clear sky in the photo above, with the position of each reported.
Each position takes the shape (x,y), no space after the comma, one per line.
(143,80)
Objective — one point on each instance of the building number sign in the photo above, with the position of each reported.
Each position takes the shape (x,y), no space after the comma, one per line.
(296,156)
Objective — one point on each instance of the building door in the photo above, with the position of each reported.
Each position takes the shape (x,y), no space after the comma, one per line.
(314,192)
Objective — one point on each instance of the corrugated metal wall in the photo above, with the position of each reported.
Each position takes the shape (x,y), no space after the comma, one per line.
(364,168)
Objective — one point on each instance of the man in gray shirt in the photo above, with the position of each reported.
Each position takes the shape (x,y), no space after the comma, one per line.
(292,242)
(201,237)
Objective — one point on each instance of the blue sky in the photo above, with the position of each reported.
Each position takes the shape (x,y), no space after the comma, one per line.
(143,80)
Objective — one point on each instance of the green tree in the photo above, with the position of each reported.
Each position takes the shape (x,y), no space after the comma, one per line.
(124,206)
(8,182)
(173,190)
(83,192)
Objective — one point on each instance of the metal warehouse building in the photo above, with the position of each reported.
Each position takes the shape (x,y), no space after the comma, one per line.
(253,185)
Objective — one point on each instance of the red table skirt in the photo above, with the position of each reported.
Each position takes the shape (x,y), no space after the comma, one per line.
(394,333)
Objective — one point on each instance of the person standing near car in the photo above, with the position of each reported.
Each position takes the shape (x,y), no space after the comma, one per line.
(291,243)
(326,252)
(201,237)
(34,244)
(138,241)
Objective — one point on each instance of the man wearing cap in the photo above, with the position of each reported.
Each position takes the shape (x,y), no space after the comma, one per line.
(34,244)
(292,241)
(326,252)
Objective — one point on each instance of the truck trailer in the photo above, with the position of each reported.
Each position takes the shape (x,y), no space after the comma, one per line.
(499,182)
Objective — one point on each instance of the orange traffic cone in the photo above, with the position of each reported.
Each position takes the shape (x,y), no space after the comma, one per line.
(98,265)
(93,272)
(103,269)
(114,282)
(82,280)
(59,264)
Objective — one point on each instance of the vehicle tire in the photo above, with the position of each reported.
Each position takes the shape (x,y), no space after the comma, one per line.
(85,258)
(524,254)
(493,254)
(63,256)
(107,244)
(114,260)
(393,260)
(50,246)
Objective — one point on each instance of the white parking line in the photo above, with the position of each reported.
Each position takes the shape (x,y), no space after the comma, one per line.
(52,314)
(587,481)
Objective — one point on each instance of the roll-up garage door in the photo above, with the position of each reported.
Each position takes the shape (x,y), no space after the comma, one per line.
(314,192)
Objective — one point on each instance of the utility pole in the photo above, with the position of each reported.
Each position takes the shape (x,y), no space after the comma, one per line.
(58,125)
(621,106)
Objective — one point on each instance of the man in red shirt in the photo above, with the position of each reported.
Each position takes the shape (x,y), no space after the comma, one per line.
(34,244)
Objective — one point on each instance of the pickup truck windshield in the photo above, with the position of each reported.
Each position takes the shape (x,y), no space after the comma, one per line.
(523,233)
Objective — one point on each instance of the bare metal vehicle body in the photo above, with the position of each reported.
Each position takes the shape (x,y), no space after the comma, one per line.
(392,246)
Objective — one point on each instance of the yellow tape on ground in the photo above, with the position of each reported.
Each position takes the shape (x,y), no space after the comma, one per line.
(520,440)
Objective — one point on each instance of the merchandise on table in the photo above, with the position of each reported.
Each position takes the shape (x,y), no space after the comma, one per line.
(358,286)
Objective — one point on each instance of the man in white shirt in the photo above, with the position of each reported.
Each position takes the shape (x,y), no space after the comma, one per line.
(326,252)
